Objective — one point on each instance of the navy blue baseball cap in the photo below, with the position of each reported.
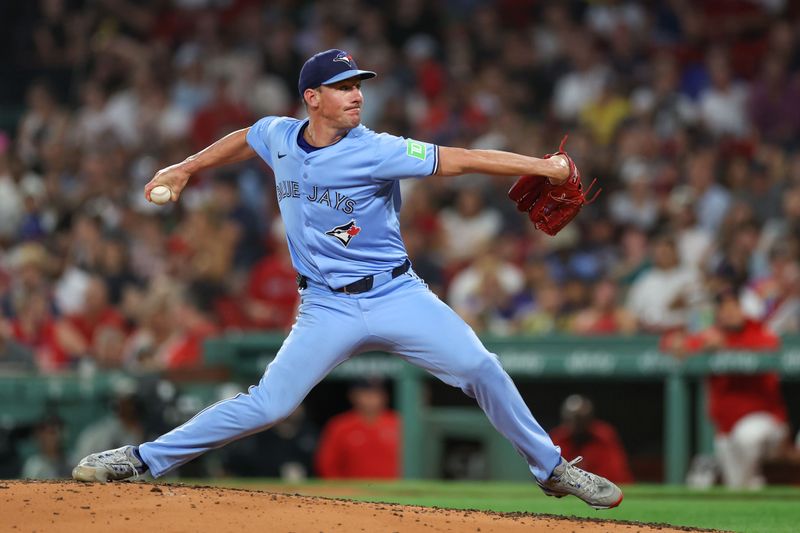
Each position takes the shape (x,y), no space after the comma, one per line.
(329,67)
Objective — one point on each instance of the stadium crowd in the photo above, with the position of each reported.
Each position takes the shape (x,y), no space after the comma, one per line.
(687,113)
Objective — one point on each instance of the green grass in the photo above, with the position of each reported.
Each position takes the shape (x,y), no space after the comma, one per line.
(773,510)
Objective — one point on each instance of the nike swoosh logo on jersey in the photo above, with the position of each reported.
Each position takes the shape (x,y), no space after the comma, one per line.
(280,155)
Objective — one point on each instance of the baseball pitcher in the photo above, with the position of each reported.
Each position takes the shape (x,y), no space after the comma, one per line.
(338,190)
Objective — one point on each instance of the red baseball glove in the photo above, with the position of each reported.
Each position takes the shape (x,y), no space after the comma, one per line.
(551,207)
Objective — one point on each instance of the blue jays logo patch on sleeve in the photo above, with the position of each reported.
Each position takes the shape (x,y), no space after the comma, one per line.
(345,232)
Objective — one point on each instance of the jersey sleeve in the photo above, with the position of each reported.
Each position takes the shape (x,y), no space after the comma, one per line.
(398,157)
(258,139)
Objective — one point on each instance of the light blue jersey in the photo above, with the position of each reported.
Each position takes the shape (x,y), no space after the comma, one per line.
(340,203)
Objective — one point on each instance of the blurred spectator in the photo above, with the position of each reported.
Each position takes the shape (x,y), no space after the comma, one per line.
(636,204)
(605,315)
(49,461)
(55,347)
(219,117)
(30,266)
(612,17)
(774,104)
(778,292)
(748,411)
(694,243)
(710,199)
(92,122)
(43,126)
(595,254)
(422,257)
(192,309)
(580,433)
(545,315)
(247,235)
(483,294)
(125,424)
(738,259)
(634,258)
(723,105)
(758,189)
(363,442)
(115,268)
(271,298)
(85,242)
(783,227)
(576,296)
(57,35)
(469,226)
(603,116)
(156,323)
(95,322)
(10,193)
(192,90)
(421,217)
(15,357)
(584,83)
(173,321)
(662,102)
(662,296)
(160,120)
(207,243)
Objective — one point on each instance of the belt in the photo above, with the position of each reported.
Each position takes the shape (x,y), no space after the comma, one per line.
(362,285)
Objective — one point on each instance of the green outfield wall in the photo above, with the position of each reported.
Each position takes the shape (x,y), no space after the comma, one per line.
(244,357)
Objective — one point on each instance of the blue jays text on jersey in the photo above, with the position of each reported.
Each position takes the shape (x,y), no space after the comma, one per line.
(335,199)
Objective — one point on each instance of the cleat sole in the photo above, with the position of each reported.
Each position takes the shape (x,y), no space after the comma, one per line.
(89,474)
(603,507)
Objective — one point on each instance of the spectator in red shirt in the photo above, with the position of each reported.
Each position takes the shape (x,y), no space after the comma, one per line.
(596,441)
(95,322)
(748,410)
(363,442)
(222,115)
(271,298)
(184,350)
(604,316)
(174,322)
(34,327)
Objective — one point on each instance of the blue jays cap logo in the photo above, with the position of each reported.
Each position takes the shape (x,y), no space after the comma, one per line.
(328,67)
(345,232)
(346,58)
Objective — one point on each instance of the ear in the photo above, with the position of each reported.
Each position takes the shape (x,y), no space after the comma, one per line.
(311,97)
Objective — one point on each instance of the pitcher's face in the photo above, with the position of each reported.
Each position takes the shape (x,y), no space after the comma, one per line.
(338,104)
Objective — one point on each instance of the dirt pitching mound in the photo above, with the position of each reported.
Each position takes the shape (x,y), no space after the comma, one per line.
(67,506)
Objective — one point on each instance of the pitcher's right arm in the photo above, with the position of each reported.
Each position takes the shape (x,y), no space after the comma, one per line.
(230,149)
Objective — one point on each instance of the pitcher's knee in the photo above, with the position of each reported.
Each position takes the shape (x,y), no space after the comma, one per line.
(268,409)
(485,370)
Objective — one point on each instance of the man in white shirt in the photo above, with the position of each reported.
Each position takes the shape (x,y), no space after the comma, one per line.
(663,295)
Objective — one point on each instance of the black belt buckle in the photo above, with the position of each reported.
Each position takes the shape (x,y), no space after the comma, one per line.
(362,285)
(357,287)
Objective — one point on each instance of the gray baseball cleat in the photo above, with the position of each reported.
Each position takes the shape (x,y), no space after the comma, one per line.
(595,490)
(113,465)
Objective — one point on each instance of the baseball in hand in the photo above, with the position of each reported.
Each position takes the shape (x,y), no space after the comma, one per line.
(160,194)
